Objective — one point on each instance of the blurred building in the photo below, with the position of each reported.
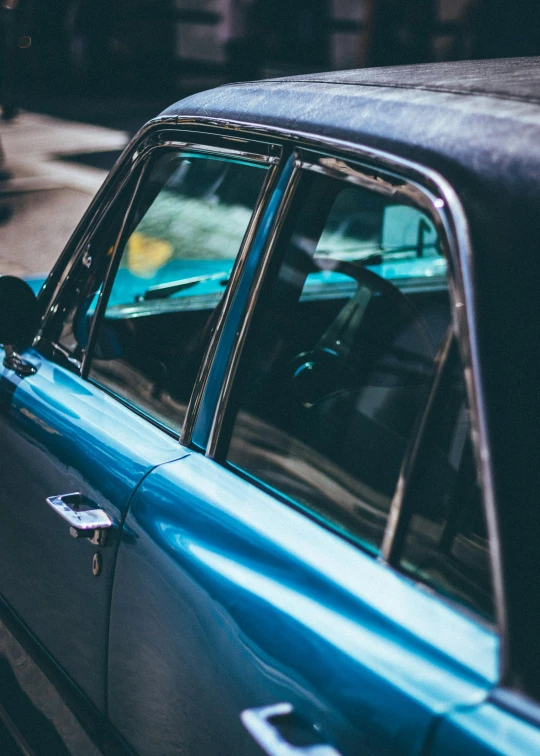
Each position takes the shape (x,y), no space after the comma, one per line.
(304,35)
(177,46)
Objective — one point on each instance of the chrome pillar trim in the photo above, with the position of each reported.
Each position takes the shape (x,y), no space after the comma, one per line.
(104,198)
(232,287)
(77,248)
(252,157)
(387,184)
(109,276)
(241,334)
(451,222)
(398,516)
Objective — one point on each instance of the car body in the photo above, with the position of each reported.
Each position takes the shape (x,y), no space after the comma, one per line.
(269,466)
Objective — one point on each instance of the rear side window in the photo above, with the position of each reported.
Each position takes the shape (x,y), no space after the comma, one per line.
(446,544)
(339,364)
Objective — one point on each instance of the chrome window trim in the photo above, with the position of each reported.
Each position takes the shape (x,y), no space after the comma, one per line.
(226,387)
(142,158)
(447,209)
(110,274)
(398,521)
(252,157)
(232,287)
(105,197)
(134,154)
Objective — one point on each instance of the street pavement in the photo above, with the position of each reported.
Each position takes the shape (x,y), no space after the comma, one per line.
(54,168)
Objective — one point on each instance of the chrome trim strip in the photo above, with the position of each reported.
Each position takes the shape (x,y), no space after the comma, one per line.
(241,334)
(253,157)
(98,207)
(398,519)
(136,158)
(451,218)
(232,287)
(109,276)
(517,703)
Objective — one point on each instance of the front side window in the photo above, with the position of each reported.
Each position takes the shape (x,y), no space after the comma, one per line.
(185,234)
(336,372)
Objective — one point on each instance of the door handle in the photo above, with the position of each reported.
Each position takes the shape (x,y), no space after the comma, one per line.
(257,723)
(85,520)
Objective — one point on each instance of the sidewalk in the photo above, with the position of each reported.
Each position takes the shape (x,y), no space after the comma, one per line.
(55,167)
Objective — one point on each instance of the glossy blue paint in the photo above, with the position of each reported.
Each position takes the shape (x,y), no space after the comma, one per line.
(65,435)
(247,602)
(486,730)
(207,409)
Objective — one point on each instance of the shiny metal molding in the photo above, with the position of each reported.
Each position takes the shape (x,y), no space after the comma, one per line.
(80,519)
(230,291)
(109,277)
(263,731)
(397,522)
(241,334)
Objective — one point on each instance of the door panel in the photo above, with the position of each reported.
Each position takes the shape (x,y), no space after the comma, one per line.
(226,599)
(65,435)
(485,731)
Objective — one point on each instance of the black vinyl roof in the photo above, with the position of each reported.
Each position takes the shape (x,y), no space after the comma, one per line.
(510,78)
(482,117)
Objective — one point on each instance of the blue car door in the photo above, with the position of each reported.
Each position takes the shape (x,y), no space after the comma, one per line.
(259,626)
(488,730)
(60,435)
(319,580)
(75,438)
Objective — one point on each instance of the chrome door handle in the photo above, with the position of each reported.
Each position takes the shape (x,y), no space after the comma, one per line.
(85,521)
(256,722)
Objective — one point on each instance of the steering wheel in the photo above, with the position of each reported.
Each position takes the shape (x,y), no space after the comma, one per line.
(345,354)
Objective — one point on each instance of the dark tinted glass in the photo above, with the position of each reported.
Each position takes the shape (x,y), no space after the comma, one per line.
(189,224)
(339,363)
(447,545)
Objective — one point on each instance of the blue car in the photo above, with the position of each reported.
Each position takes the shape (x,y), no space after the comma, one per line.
(269,431)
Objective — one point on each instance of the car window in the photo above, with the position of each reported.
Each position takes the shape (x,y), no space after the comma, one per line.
(185,234)
(338,365)
(446,544)
(70,318)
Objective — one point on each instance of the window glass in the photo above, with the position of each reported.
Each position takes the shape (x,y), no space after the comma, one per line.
(338,366)
(447,545)
(70,321)
(187,230)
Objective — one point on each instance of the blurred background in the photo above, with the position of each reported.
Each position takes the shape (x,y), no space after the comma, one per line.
(78,77)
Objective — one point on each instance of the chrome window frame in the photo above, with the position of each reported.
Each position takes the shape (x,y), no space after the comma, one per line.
(434,193)
(140,155)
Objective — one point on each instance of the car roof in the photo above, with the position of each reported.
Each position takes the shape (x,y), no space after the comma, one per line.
(477,115)
(507,78)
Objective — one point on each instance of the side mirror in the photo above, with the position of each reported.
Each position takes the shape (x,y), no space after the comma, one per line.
(19,318)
